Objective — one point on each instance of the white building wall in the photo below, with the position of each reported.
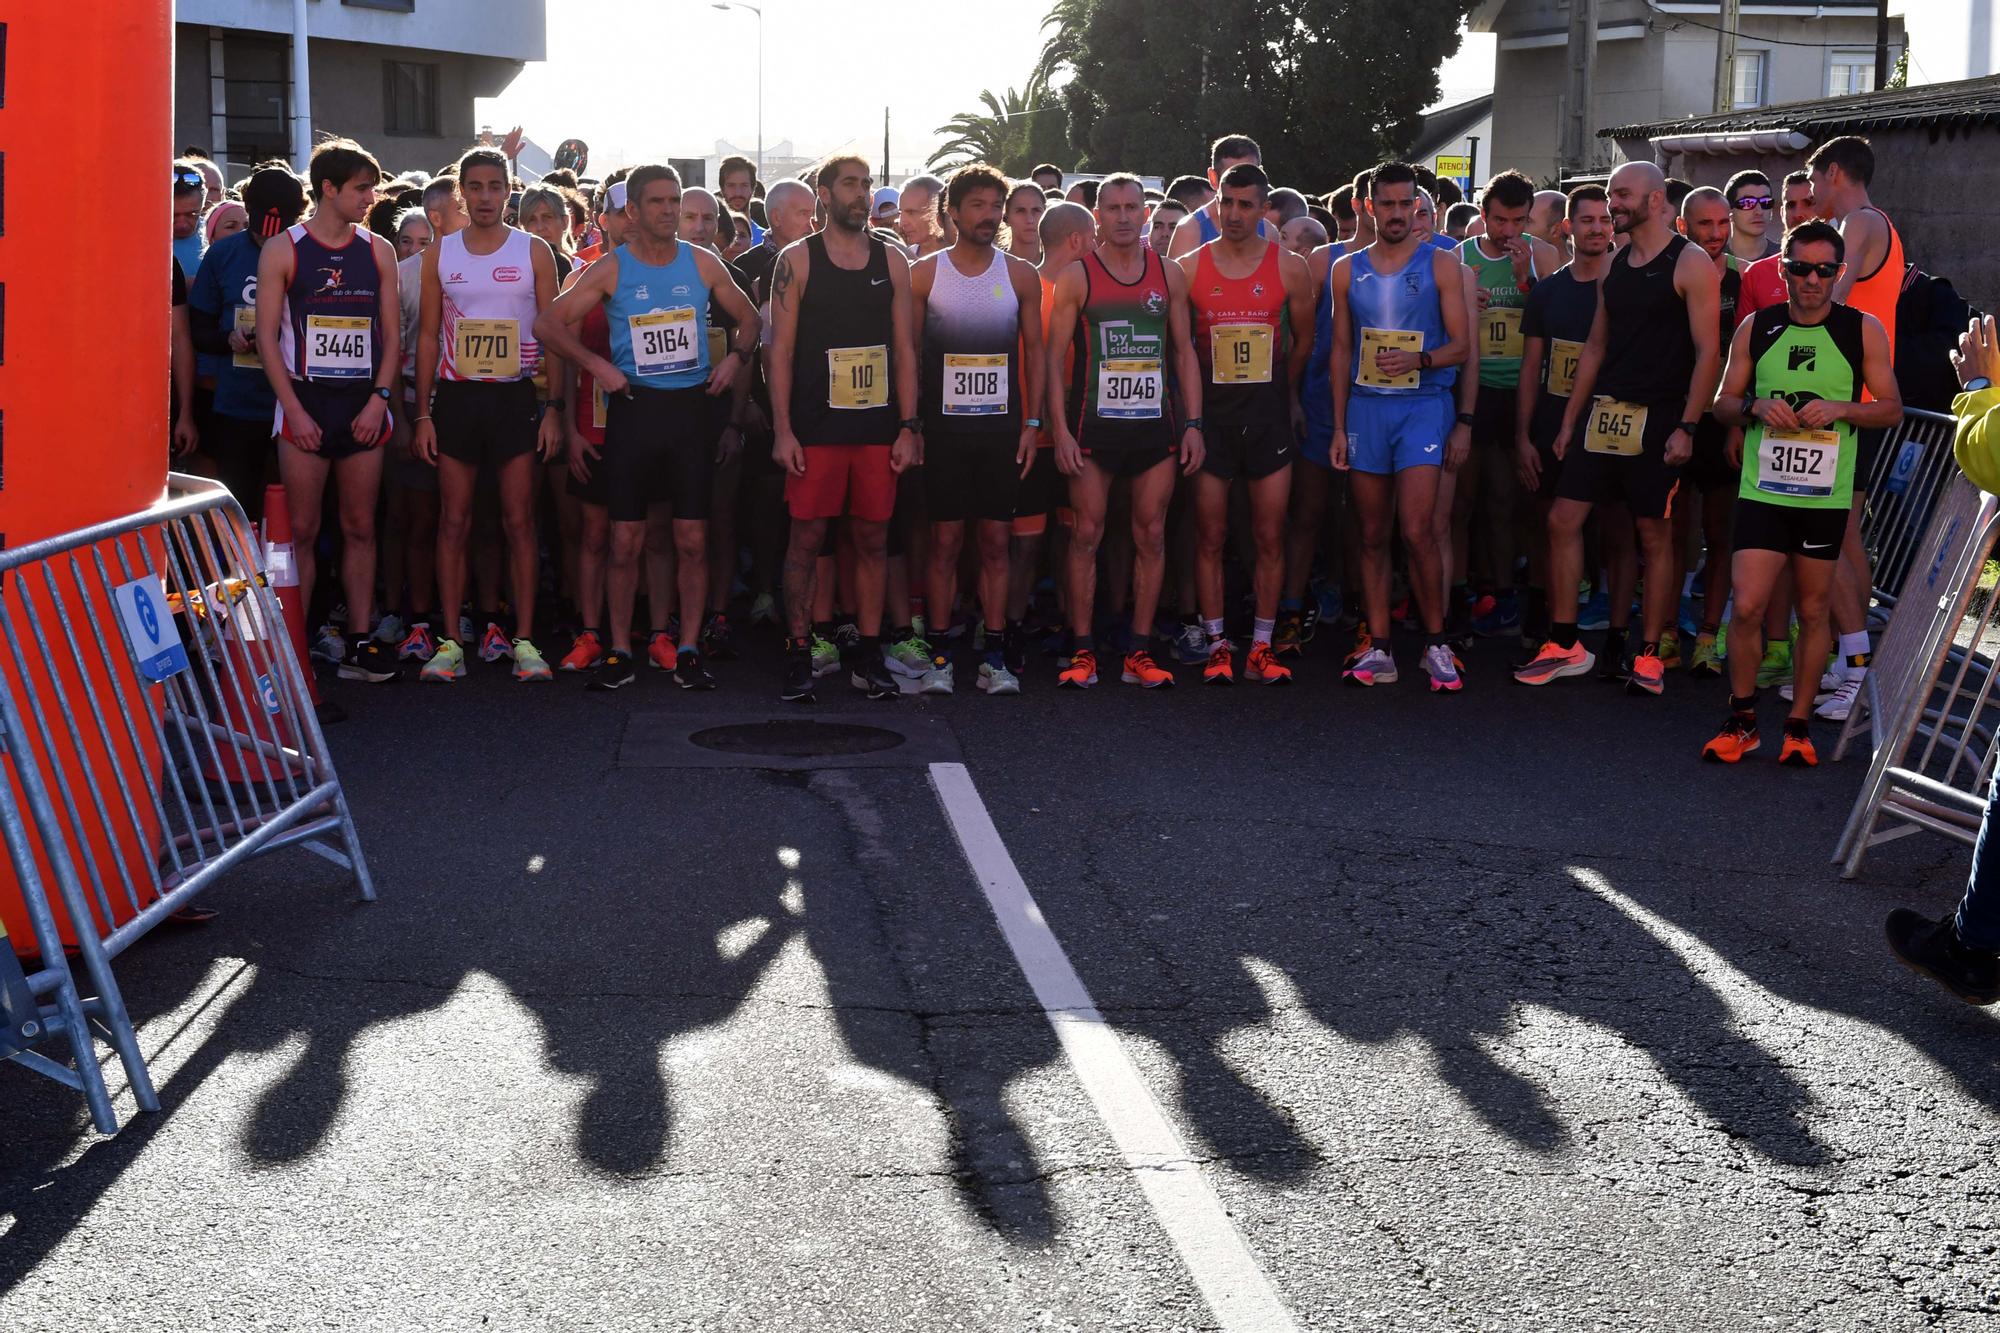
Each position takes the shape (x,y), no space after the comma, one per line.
(508,29)
(1951,39)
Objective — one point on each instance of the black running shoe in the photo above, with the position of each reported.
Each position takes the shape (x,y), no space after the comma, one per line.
(615,672)
(368,660)
(872,678)
(1014,649)
(798,687)
(1613,664)
(715,640)
(689,673)
(1934,949)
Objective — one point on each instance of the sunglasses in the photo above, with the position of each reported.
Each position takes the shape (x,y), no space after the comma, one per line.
(1750,201)
(1798,268)
(188,178)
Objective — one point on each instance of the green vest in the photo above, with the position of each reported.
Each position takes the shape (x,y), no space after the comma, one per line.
(1499,328)
(1798,363)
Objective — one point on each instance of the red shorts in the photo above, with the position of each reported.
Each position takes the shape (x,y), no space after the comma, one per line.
(844,481)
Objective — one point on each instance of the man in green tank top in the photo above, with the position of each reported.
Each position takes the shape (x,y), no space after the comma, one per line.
(1802,379)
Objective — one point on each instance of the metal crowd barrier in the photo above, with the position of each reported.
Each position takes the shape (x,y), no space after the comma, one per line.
(1909,474)
(1930,702)
(157,728)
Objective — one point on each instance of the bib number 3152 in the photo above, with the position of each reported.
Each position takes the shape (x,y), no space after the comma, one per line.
(1803,463)
(1615,428)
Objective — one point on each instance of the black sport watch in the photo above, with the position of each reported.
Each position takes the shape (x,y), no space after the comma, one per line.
(384,394)
(1465,418)
(914,425)
(1690,427)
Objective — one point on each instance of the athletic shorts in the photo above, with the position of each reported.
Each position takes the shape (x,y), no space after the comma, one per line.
(1043,491)
(1709,469)
(1129,461)
(592,492)
(843,481)
(1643,482)
(1815,534)
(1388,434)
(1317,447)
(410,474)
(484,423)
(658,447)
(1552,467)
(1493,414)
(241,450)
(333,406)
(971,475)
(1249,449)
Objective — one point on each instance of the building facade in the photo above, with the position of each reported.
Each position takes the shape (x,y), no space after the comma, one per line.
(398,75)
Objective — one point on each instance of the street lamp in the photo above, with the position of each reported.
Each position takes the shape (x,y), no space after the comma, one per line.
(758,10)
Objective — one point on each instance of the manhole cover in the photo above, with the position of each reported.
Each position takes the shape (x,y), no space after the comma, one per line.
(797,740)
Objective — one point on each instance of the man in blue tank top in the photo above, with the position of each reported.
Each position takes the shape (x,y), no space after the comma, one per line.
(1205,223)
(660,446)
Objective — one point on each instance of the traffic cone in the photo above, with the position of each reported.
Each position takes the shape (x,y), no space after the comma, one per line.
(281,569)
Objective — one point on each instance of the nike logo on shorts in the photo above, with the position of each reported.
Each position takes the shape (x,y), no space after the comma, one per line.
(1815,546)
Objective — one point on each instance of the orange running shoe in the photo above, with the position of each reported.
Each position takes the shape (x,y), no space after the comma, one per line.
(1081,673)
(661,652)
(1737,738)
(1143,671)
(1264,668)
(584,654)
(1649,674)
(1221,669)
(1798,752)
(1363,641)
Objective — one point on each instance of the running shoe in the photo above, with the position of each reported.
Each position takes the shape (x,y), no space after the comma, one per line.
(1689,620)
(419,643)
(1707,659)
(447,664)
(1798,752)
(1934,949)
(825,656)
(1670,648)
(615,672)
(764,610)
(1363,641)
(1262,667)
(847,638)
(690,674)
(494,644)
(1776,668)
(715,640)
(1291,635)
(1554,662)
(1649,675)
(1614,666)
(1828,682)
(1737,738)
(529,664)
(911,657)
(367,659)
(1443,668)
(661,651)
(1595,613)
(465,634)
(584,653)
(1140,669)
(1014,651)
(1480,605)
(1191,644)
(874,679)
(937,678)
(1501,620)
(1309,616)
(389,629)
(1372,667)
(329,645)
(1081,673)
(998,679)
(1221,668)
(799,675)
(1841,704)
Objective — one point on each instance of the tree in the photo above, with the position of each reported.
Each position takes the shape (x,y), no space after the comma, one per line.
(1325,86)
(1016,131)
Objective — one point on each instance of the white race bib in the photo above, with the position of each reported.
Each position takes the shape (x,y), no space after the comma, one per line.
(1130,389)
(663,341)
(975,386)
(1798,462)
(339,347)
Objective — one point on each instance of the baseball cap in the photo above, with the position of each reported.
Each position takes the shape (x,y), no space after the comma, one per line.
(886,195)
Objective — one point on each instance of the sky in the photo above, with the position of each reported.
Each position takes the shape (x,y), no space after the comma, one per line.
(829,69)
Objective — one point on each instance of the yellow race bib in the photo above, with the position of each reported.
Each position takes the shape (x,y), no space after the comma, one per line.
(1239,354)
(246,324)
(600,405)
(718,345)
(1615,428)
(1500,332)
(1564,357)
(857,378)
(488,349)
(1383,340)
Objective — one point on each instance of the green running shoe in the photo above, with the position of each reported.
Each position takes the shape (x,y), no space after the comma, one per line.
(825,657)
(911,657)
(1776,668)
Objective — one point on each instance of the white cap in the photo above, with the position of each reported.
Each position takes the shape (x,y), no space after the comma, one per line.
(614,198)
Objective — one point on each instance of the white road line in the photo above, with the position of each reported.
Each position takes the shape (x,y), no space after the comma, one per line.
(1236,1289)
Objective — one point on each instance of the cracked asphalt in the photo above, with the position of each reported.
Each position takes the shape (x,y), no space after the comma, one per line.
(1490,1012)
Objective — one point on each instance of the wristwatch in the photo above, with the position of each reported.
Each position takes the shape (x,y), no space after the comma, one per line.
(1424,360)
(914,425)
(1690,427)
(1977,383)
(1194,423)
(384,394)
(1032,423)
(1465,418)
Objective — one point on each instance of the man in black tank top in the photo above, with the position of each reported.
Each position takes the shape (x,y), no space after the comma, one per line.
(1646,376)
(843,375)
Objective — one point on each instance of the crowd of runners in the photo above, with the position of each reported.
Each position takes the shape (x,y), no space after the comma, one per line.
(998,427)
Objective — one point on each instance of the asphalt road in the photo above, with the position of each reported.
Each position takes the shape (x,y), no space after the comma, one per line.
(1497,1011)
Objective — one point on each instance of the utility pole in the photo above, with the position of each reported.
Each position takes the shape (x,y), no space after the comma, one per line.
(302,116)
(1580,95)
(885,145)
(1725,56)
(1881,44)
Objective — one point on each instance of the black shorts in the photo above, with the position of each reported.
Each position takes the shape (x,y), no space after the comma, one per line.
(1815,534)
(659,446)
(1642,482)
(485,423)
(970,475)
(1252,449)
(1044,490)
(241,450)
(333,405)
(1709,469)
(591,492)
(1493,415)
(1128,462)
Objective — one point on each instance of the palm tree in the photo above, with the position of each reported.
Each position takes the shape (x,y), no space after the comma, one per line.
(1000,134)
(1064,25)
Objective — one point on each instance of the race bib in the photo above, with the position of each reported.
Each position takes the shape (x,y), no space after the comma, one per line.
(1615,428)
(663,341)
(600,405)
(339,347)
(1799,462)
(1382,340)
(1239,354)
(975,386)
(1564,357)
(857,378)
(718,344)
(246,324)
(1130,389)
(488,349)
(1500,332)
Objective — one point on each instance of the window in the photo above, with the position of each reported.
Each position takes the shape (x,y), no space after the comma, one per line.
(1850,72)
(397,6)
(1749,89)
(256,98)
(410,98)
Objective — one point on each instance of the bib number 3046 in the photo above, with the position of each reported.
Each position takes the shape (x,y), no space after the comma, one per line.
(1615,428)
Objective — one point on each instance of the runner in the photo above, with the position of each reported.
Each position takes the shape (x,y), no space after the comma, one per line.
(919,220)
(329,341)
(1224,153)
(190,195)
(1548,221)
(1302,236)
(659,437)
(1048,176)
(1764,281)
(1125,311)
(1399,334)
(1312,486)
(1166,216)
(736,180)
(1025,205)
(1803,378)
(1243,290)
(413,482)
(1751,209)
(1712,469)
(980,309)
(844,373)
(1653,355)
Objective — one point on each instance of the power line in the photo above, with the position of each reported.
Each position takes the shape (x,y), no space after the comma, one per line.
(1769,41)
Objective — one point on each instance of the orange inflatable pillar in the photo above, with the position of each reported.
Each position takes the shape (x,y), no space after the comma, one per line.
(84,351)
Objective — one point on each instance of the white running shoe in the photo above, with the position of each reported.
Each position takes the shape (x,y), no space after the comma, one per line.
(1841,703)
(1374,667)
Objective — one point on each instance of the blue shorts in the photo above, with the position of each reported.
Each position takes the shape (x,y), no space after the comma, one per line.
(1387,434)
(1318,446)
